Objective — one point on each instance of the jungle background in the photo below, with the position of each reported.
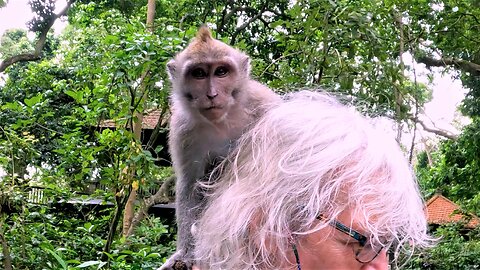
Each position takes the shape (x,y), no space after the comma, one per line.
(72,107)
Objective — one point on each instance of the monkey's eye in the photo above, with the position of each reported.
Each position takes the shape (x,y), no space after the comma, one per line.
(221,71)
(199,73)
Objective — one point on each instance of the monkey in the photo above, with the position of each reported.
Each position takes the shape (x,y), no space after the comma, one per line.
(213,101)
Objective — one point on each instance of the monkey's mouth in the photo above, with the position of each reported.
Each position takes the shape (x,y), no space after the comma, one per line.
(212,108)
(213,113)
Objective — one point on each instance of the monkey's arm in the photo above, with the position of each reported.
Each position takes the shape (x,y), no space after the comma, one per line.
(189,163)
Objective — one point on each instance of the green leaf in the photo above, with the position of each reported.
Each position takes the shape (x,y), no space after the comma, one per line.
(77,95)
(158,148)
(277,23)
(153,255)
(30,102)
(57,257)
(89,263)
(14,106)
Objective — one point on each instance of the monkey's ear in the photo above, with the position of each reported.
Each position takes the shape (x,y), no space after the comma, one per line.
(245,64)
(171,69)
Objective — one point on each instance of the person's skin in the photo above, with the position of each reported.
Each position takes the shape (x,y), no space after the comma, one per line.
(330,249)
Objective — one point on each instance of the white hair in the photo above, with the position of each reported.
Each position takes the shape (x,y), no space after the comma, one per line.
(307,157)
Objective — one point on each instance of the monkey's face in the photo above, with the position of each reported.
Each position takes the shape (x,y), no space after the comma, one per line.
(211,87)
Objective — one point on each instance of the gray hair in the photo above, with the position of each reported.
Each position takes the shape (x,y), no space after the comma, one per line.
(307,157)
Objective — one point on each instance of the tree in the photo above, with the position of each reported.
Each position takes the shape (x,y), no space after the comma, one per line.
(41,24)
(453,169)
(449,27)
(92,81)
(145,84)
(109,65)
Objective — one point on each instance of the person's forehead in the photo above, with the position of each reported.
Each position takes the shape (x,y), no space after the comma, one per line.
(353,219)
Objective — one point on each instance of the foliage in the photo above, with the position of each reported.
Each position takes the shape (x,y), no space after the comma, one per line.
(454,251)
(471,104)
(454,168)
(51,239)
(43,11)
(456,172)
(106,67)
(14,41)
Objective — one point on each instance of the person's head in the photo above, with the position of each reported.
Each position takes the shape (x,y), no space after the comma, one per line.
(299,181)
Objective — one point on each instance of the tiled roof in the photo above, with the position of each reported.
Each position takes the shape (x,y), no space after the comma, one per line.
(440,210)
(150,119)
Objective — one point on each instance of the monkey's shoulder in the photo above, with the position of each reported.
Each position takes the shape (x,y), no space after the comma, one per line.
(260,98)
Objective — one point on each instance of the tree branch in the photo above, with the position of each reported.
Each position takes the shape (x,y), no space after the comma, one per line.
(245,25)
(449,61)
(158,197)
(274,61)
(438,132)
(234,10)
(42,38)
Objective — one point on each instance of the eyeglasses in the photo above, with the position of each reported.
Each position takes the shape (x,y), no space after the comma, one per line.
(365,252)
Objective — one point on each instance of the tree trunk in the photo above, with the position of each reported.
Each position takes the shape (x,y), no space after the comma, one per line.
(398,88)
(137,130)
(7,259)
(129,206)
(120,202)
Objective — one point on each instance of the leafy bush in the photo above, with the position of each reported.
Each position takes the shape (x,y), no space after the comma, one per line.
(43,237)
(457,250)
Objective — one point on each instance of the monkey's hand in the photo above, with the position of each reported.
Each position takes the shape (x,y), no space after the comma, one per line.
(177,262)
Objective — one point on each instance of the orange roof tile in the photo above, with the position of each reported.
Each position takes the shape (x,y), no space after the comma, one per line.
(150,119)
(440,210)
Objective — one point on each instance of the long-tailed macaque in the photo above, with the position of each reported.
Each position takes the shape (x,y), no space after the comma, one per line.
(213,101)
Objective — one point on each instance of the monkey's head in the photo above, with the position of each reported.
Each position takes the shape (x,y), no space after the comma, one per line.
(208,76)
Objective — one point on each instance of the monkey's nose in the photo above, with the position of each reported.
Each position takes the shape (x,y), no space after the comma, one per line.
(212,95)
